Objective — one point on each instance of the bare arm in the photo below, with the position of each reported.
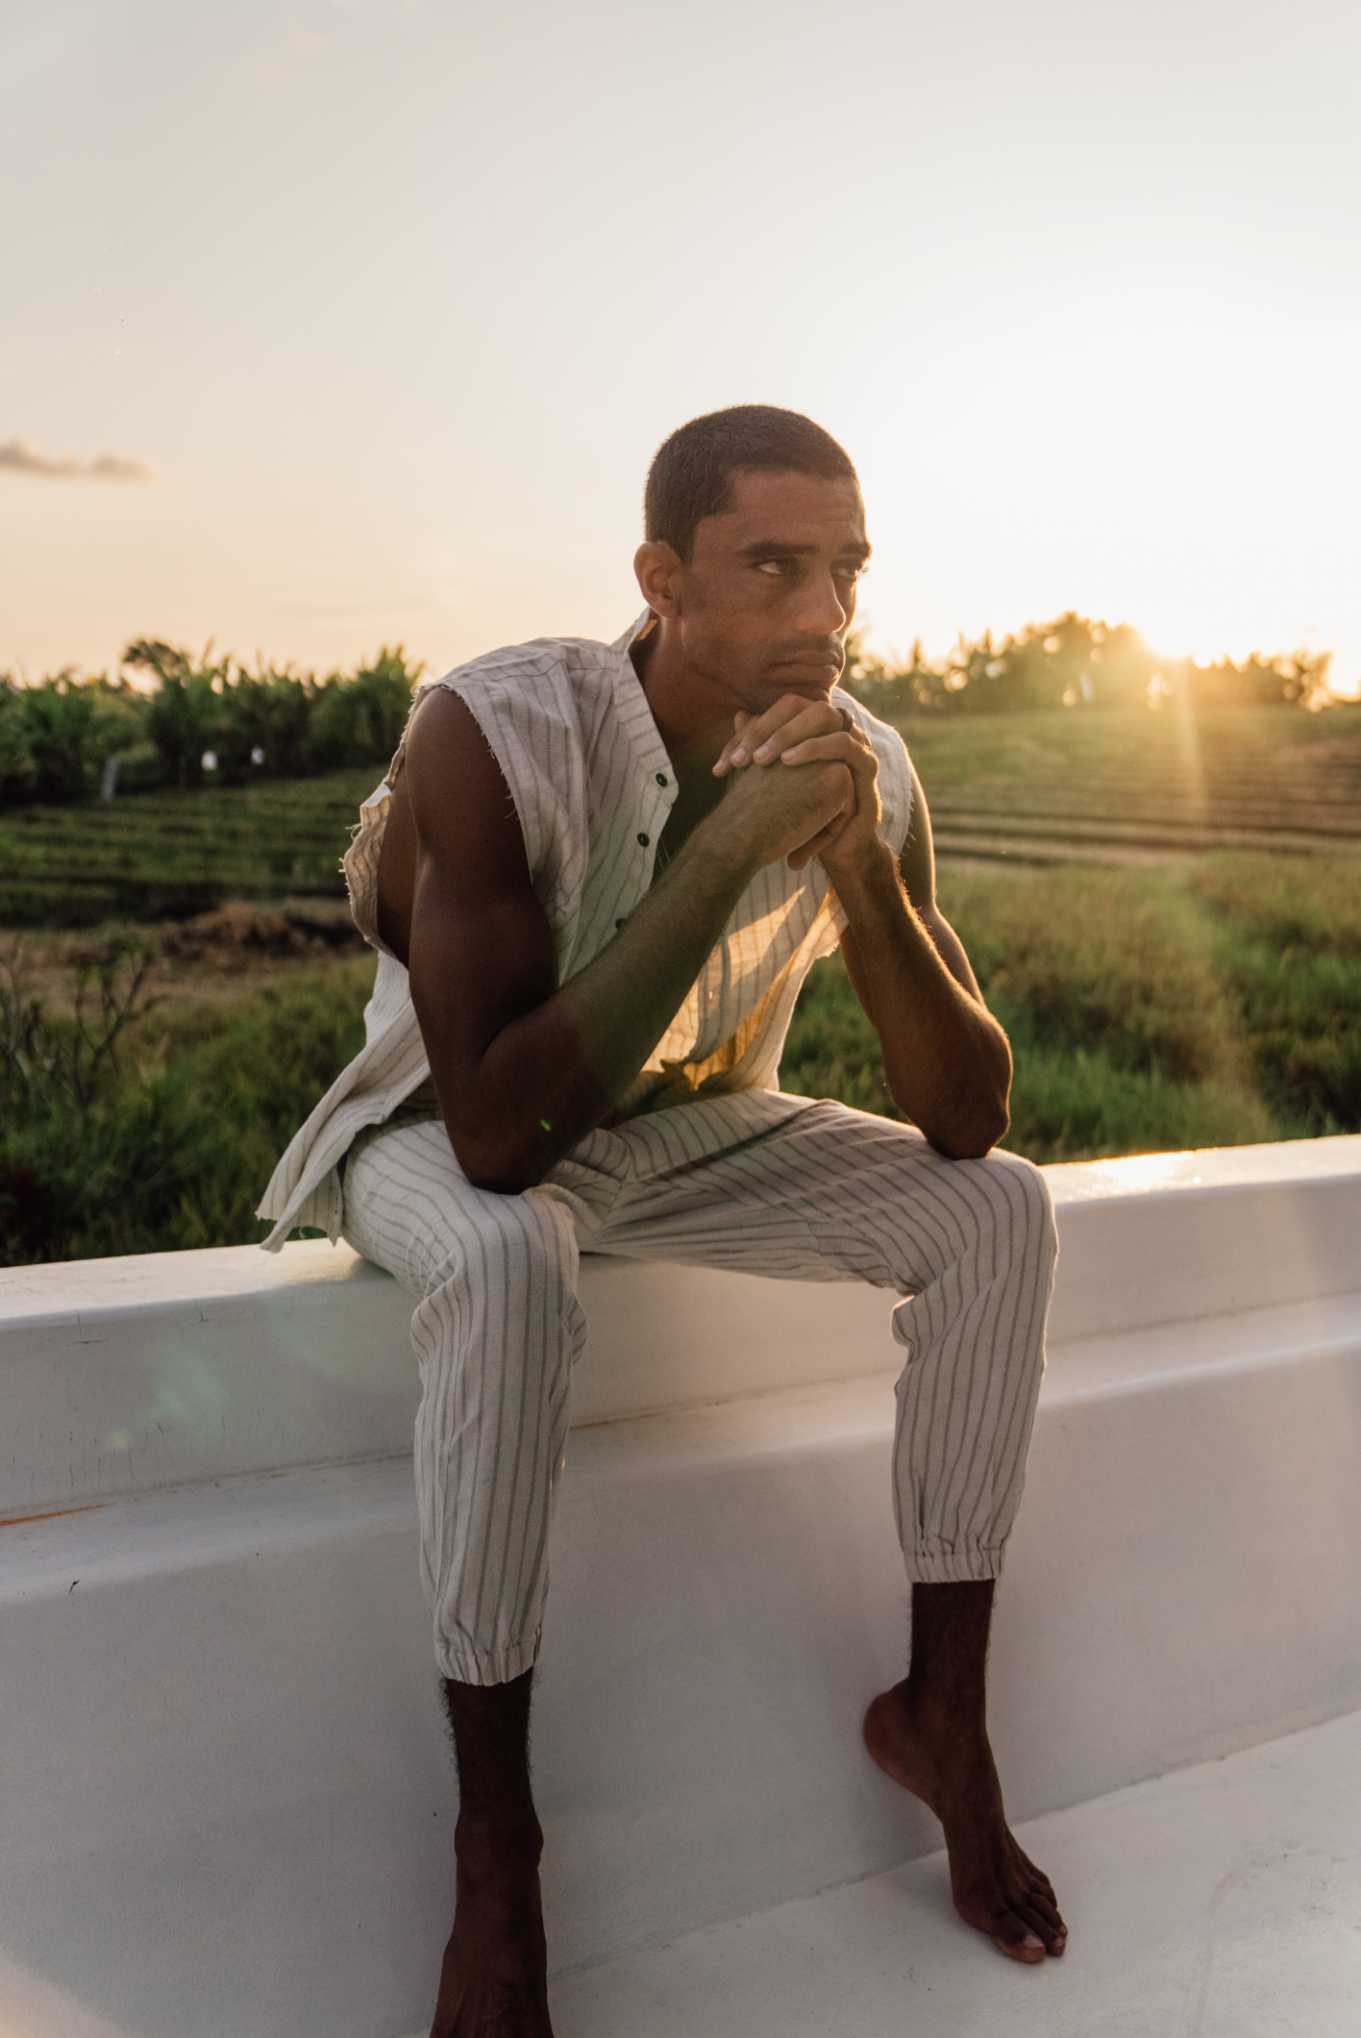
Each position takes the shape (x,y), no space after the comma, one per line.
(947,1059)
(523,1067)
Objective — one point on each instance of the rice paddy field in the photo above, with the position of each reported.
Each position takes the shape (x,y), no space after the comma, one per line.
(1038,787)
(1166,918)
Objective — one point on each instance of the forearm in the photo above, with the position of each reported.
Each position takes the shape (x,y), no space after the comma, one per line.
(561,1067)
(946,1058)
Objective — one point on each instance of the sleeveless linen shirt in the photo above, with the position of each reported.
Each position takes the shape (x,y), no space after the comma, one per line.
(572,732)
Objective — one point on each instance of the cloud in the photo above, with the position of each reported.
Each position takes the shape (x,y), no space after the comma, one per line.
(17,456)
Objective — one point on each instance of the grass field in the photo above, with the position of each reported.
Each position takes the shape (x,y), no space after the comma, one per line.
(1135,785)
(1028,788)
(1211,1000)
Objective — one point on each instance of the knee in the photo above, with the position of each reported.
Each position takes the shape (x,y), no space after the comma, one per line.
(516,1252)
(1029,1222)
(1007,1209)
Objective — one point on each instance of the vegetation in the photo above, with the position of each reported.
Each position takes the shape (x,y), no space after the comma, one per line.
(197,723)
(1209,1001)
(1188,1001)
(1074,662)
(111,1122)
(169,718)
(1024,786)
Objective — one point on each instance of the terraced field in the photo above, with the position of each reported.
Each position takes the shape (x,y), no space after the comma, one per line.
(167,855)
(1139,787)
(1032,788)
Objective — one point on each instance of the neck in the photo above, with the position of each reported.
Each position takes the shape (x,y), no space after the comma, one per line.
(692,725)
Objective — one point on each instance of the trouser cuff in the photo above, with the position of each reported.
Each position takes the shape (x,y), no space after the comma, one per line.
(466,1665)
(938,1563)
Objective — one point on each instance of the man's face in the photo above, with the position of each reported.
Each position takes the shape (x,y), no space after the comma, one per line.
(769,592)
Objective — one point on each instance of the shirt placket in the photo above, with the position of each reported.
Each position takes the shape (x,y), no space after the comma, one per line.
(654,808)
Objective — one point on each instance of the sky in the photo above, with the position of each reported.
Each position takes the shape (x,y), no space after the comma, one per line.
(337,324)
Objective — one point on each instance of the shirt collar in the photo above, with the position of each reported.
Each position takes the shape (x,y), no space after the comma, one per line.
(642,626)
(636,717)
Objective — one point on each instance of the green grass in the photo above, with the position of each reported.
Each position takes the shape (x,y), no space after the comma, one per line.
(164,855)
(176,1147)
(1209,1002)
(1169,750)
(1042,773)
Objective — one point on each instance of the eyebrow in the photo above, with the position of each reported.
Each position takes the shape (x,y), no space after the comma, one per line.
(765,548)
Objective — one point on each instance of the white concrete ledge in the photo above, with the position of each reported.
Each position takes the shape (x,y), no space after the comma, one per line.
(120,1376)
(229,1798)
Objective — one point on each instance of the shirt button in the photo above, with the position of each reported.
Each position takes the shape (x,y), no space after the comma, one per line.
(661,778)
(644,840)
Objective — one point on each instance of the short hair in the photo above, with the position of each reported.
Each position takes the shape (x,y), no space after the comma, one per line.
(692,471)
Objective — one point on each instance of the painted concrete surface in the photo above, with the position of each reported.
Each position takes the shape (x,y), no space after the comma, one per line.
(1220,1902)
(125,1375)
(227,1793)
(225,1768)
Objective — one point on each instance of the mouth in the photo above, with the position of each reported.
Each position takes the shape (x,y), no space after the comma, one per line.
(812,669)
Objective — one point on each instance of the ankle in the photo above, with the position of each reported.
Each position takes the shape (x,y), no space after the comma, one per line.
(944,1716)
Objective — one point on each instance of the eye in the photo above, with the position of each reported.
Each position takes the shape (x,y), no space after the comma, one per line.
(849,570)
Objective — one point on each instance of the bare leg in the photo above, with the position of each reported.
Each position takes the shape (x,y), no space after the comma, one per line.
(494,1980)
(929,1734)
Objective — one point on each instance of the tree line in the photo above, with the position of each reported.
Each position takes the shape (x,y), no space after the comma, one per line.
(205,721)
(199,723)
(1075,662)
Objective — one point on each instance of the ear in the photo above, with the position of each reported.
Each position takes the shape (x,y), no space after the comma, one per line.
(659,570)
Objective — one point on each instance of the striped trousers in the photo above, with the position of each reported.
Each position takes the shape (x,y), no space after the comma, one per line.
(796,1188)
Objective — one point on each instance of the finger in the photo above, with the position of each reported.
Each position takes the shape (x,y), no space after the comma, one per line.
(806,851)
(734,749)
(843,749)
(787,722)
(725,756)
(780,741)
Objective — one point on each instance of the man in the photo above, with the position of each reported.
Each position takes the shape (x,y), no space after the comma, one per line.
(596,877)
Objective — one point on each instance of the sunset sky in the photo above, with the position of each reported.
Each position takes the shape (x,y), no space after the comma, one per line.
(335,324)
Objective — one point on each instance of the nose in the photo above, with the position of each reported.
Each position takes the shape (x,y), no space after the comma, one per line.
(822,613)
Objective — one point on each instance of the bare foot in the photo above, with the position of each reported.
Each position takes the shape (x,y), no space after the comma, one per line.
(995,1885)
(494,1980)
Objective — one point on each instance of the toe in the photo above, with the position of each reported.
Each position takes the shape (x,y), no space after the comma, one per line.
(1018,1942)
(1051,1935)
(1046,1908)
(1013,1936)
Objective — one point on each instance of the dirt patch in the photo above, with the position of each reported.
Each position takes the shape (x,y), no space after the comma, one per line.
(242,928)
(215,955)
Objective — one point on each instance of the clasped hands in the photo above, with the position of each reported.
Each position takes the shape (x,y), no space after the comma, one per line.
(795,730)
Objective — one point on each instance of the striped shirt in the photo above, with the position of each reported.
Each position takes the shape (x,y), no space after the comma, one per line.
(593,786)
